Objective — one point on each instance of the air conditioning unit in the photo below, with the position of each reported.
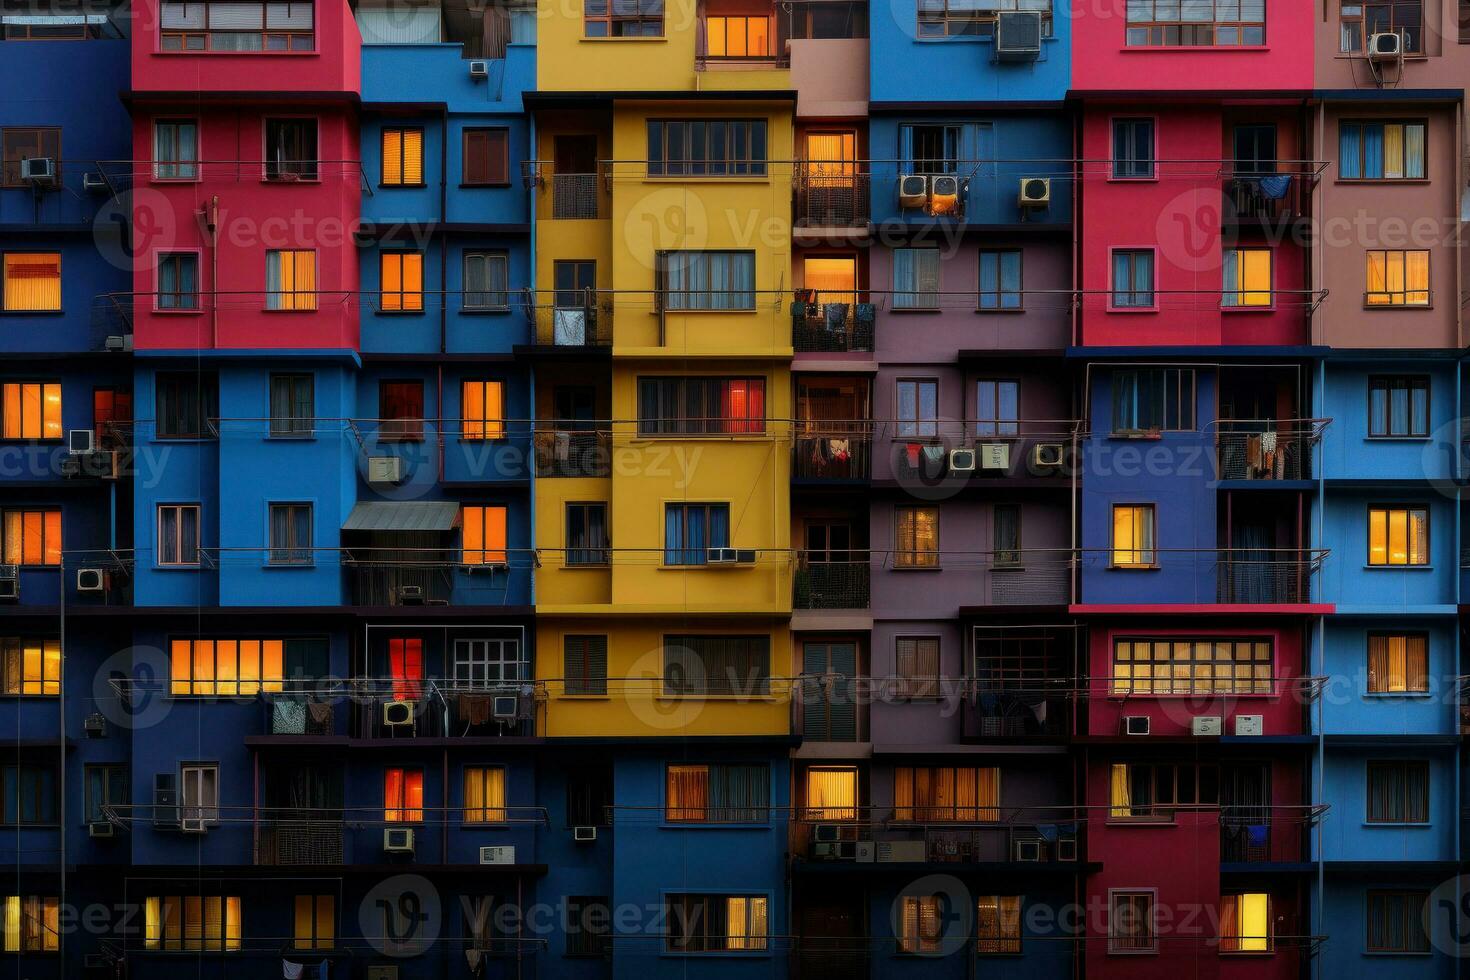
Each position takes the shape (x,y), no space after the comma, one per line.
(505,707)
(397,714)
(382,973)
(165,800)
(1250,725)
(944,194)
(826,832)
(962,460)
(94,183)
(91,580)
(100,829)
(1205,725)
(479,69)
(584,835)
(192,825)
(719,556)
(118,341)
(1035,192)
(498,854)
(1385,47)
(1018,35)
(1028,850)
(79,441)
(900,852)
(398,840)
(384,469)
(864,851)
(913,191)
(1048,454)
(9,581)
(1135,724)
(1067,849)
(995,455)
(38,171)
(95,725)
(410,595)
(824,851)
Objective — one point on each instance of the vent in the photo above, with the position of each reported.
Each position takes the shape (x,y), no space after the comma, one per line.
(1018,35)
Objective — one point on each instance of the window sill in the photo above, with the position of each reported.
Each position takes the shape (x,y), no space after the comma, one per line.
(917,309)
(186,181)
(1133,568)
(1133,309)
(1195,48)
(1194,695)
(311,181)
(159,311)
(403,187)
(1247,308)
(289,437)
(718,566)
(1398,695)
(732,698)
(1377,181)
(596,566)
(917,568)
(287,312)
(1398,568)
(1398,306)
(170,53)
(1150,436)
(1371,438)
(283,566)
(584,697)
(659,39)
(1385,825)
(32,312)
(399,313)
(487,311)
(178,568)
(1007,310)
(188,440)
(482,187)
(1132,180)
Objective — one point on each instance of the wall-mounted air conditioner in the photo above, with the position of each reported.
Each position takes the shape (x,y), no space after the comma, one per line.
(1135,724)
(397,714)
(944,194)
(505,707)
(91,580)
(1018,35)
(1048,454)
(94,183)
(384,469)
(498,854)
(479,69)
(995,455)
(398,840)
(1035,193)
(962,460)
(38,171)
(79,441)
(584,835)
(1205,725)
(913,191)
(1250,725)
(1028,850)
(100,830)
(9,581)
(1385,47)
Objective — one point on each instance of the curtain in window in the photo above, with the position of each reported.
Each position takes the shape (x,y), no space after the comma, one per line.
(1120,793)
(831,794)
(1349,151)
(739,794)
(33,281)
(406,667)
(1414,152)
(1397,663)
(688,793)
(1373,152)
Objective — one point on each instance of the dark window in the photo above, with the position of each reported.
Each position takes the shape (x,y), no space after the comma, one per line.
(623,18)
(587,534)
(575,281)
(236,25)
(27,143)
(1133,148)
(584,661)
(1007,530)
(1133,278)
(701,406)
(706,147)
(733,665)
(702,280)
(1131,923)
(293,404)
(486,157)
(112,417)
(1153,400)
(716,923)
(105,786)
(28,794)
(997,408)
(178,281)
(1398,406)
(916,666)
(1396,922)
(589,925)
(175,149)
(964,18)
(178,534)
(486,281)
(1000,279)
(290,148)
(290,533)
(930,149)
(401,405)
(187,405)
(590,794)
(1398,792)
(1360,21)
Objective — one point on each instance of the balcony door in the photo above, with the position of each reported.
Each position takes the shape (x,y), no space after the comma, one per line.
(829,669)
(1255,149)
(830,193)
(574,176)
(1245,811)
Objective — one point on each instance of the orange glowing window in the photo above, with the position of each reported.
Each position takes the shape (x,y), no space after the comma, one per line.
(33,282)
(738,37)
(31,410)
(482,410)
(406,667)
(403,157)
(403,795)
(484,535)
(226,668)
(401,286)
(32,537)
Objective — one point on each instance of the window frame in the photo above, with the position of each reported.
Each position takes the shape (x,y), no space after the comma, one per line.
(314,938)
(485,555)
(1416,899)
(293,554)
(199,428)
(920,426)
(1148,554)
(610,19)
(707,258)
(1214,25)
(1389,383)
(1151,938)
(754,164)
(44,389)
(177,545)
(1404,303)
(175,932)
(1400,769)
(491,257)
(1123,168)
(179,257)
(914,298)
(983,20)
(307,170)
(106,772)
(1237,924)
(485,812)
(400,429)
(1002,940)
(290,426)
(36,793)
(203,780)
(205,34)
(179,166)
(1410,638)
(290,297)
(51,520)
(1361,22)
(752,653)
(717,775)
(400,180)
(678,391)
(676,914)
(1409,510)
(399,808)
(1360,164)
(1129,293)
(596,556)
(1213,684)
(682,555)
(997,427)
(907,780)
(490,134)
(1237,300)
(1137,379)
(994,300)
(5,261)
(403,295)
(913,684)
(589,683)
(487,427)
(914,557)
(10,179)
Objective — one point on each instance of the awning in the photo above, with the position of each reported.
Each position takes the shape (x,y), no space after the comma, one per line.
(403,515)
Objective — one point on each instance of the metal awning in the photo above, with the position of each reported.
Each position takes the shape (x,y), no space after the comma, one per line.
(403,515)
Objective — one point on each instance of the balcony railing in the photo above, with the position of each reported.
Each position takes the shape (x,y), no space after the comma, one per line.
(1283,194)
(569,319)
(1261,449)
(1025,709)
(936,834)
(302,837)
(574,196)
(564,450)
(920,449)
(832,450)
(822,583)
(831,327)
(398,708)
(831,200)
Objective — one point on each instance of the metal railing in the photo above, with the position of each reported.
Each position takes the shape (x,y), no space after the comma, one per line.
(836,450)
(574,196)
(839,200)
(566,450)
(1271,195)
(831,327)
(832,583)
(1267,449)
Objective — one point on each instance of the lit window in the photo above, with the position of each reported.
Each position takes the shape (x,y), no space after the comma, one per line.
(225,668)
(1381,150)
(32,537)
(192,922)
(290,279)
(1397,277)
(946,794)
(32,924)
(998,924)
(1192,665)
(30,666)
(922,927)
(482,410)
(315,922)
(716,923)
(1247,277)
(831,794)
(738,37)
(1133,536)
(916,666)
(31,410)
(403,795)
(717,794)
(401,282)
(1398,663)
(1398,536)
(916,537)
(403,157)
(1245,923)
(33,282)
(484,794)
(484,530)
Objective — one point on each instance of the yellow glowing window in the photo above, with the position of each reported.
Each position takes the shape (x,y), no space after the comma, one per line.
(1133,536)
(403,795)
(738,37)
(922,926)
(832,279)
(32,924)
(32,410)
(998,924)
(831,158)
(916,537)
(1247,277)
(946,794)
(482,410)
(484,794)
(290,279)
(192,922)
(1397,277)
(1398,536)
(32,537)
(315,922)
(1245,923)
(403,157)
(484,533)
(401,287)
(33,281)
(1398,663)
(831,793)
(225,668)
(30,666)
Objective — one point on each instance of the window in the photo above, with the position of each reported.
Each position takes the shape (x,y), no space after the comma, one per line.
(406,667)
(290,534)
(1192,665)
(32,924)
(403,795)
(178,281)
(588,925)
(1131,923)
(1133,149)
(587,538)
(922,927)
(30,410)
(112,417)
(33,282)
(484,534)
(1196,23)
(227,668)
(717,665)
(1381,150)
(293,405)
(1398,663)
(718,794)
(716,923)
(32,536)
(691,529)
(623,18)
(1396,922)
(946,794)
(918,407)
(401,282)
(929,148)
(486,157)
(403,157)
(235,25)
(584,661)
(1360,20)
(998,924)
(192,922)
(916,278)
(706,280)
(1398,277)
(178,534)
(29,795)
(290,145)
(290,279)
(1247,277)
(916,666)
(1152,791)
(738,36)
(486,281)
(1245,923)
(53,27)
(701,406)
(997,408)
(1133,278)
(1398,407)
(175,149)
(484,794)
(1398,536)
(200,792)
(314,922)
(482,410)
(402,406)
(1006,546)
(1147,400)
(916,537)
(187,404)
(1000,279)
(1398,792)
(19,143)
(589,795)
(105,786)
(706,147)
(30,665)
(831,793)
(957,18)
(486,662)
(1133,536)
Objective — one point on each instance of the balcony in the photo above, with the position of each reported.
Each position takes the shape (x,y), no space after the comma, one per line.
(573,450)
(832,450)
(1043,835)
(830,327)
(1020,577)
(385,576)
(1039,709)
(1267,450)
(389,708)
(828,584)
(1251,576)
(575,196)
(1267,193)
(833,201)
(570,321)
(921,449)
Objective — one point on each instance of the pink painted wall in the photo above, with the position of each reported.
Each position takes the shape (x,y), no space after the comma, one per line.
(1444,63)
(830,76)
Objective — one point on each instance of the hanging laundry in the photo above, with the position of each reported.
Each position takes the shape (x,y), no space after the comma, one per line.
(839,449)
(934,454)
(911,451)
(1275,187)
(292,971)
